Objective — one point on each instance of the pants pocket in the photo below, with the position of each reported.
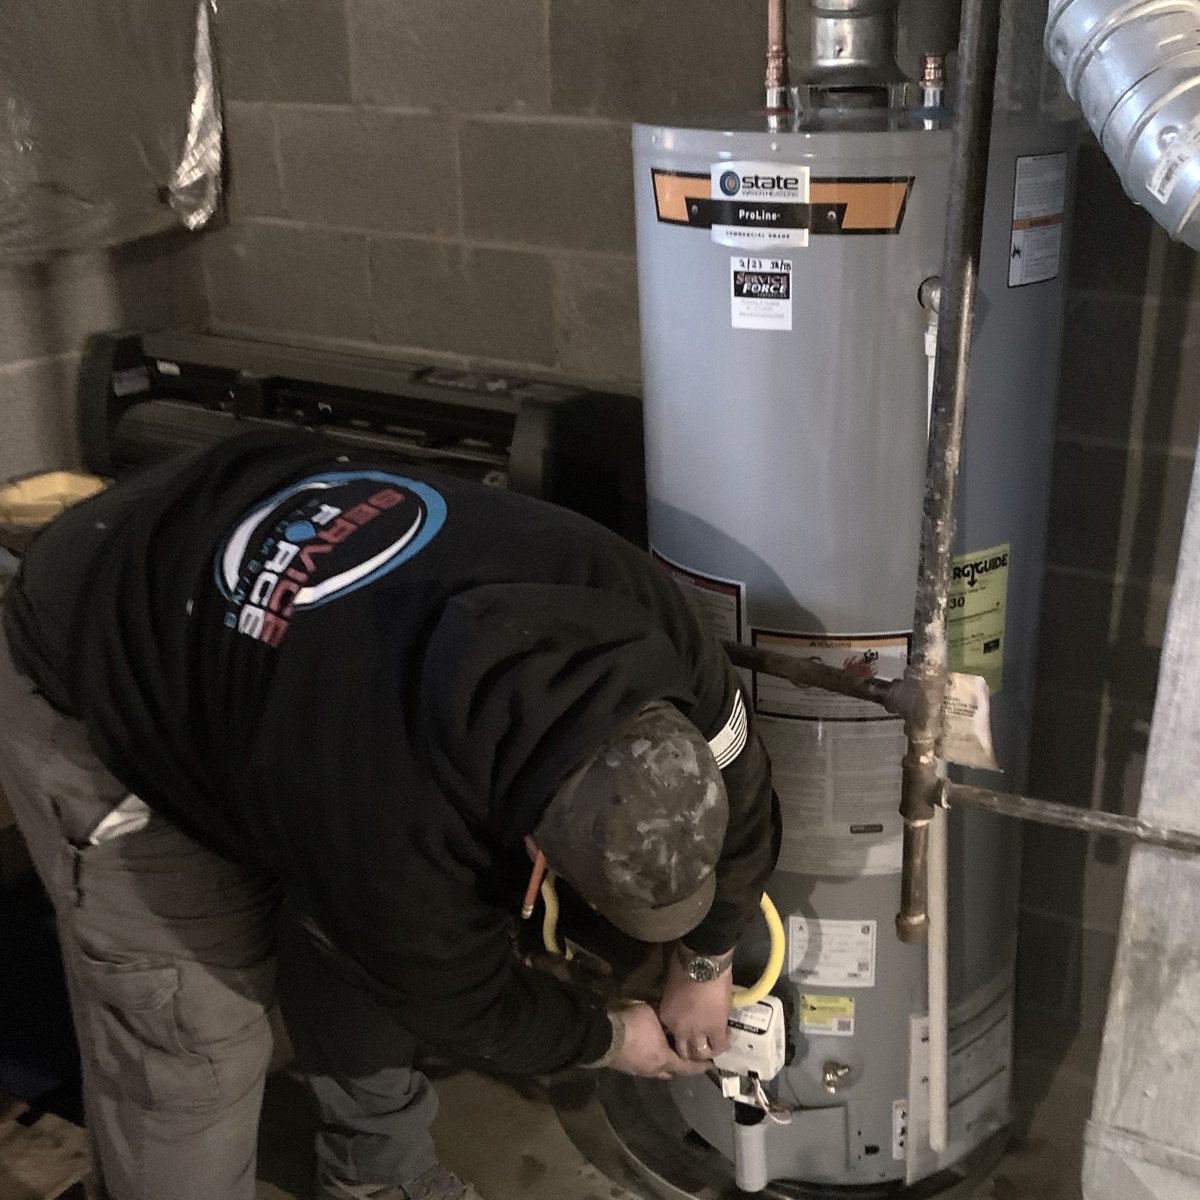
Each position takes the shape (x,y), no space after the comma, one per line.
(141,1048)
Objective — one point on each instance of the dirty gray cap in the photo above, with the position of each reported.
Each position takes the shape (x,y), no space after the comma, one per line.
(638,828)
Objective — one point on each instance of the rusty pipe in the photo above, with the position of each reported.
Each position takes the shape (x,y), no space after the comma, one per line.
(1067,816)
(809,672)
(974,93)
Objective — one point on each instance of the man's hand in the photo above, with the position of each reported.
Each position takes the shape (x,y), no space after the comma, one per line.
(696,1013)
(645,1050)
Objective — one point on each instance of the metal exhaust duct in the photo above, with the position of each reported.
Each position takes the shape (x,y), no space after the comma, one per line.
(852,43)
(1134,68)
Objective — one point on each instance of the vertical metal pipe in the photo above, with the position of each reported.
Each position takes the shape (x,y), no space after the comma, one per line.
(974,93)
(777,56)
(939,984)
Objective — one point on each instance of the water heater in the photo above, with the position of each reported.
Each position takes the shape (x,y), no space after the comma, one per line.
(786,364)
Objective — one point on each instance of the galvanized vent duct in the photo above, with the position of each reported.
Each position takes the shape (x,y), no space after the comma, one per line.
(1134,68)
(851,43)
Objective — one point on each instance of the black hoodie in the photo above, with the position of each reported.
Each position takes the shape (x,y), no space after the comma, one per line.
(366,681)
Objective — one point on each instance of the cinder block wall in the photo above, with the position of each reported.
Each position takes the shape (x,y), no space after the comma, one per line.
(451,180)
(45,313)
(1129,415)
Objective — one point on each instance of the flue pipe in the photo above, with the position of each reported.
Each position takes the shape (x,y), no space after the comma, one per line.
(926,673)
(852,43)
(1134,67)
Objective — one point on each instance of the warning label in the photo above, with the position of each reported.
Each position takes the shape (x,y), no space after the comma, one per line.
(825,953)
(1039,200)
(761,293)
(835,760)
(828,1016)
(976,603)
(719,602)
(874,654)
(1179,152)
(759,204)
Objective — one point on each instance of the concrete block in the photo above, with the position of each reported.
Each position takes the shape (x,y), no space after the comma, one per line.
(565,184)
(254,185)
(1090,494)
(651,59)
(1047,964)
(1110,238)
(1173,415)
(1104,891)
(1073,642)
(37,414)
(1108,342)
(29,319)
(1021,63)
(494,304)
(1053,867)
(1099,375)
(49,308)
(595,307)
(1087,495)
(466,55)
(369,169)
(1074,650)
(1064,742)
(188,288)
(292,50)
(1053,1083)
(303,281)
(1161,507)
(1098,952)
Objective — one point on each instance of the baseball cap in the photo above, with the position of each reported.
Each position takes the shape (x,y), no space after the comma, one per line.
(637,829)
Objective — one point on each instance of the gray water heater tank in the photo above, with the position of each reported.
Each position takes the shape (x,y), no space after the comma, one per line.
(785,378)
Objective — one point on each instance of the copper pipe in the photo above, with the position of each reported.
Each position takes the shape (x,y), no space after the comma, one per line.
(777,55)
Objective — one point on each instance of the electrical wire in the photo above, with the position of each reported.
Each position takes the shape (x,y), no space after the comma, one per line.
(779,1113)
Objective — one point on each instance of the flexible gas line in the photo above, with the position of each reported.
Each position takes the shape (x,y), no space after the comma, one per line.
(744,997)
(550,917)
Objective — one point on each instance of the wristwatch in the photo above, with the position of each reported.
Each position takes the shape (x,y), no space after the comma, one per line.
(699,967)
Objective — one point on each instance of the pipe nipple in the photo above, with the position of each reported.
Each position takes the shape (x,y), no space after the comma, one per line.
(912,929)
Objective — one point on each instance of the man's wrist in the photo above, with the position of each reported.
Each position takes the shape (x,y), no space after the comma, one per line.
(702,968)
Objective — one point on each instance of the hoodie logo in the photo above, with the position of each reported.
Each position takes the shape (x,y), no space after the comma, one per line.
(320,539)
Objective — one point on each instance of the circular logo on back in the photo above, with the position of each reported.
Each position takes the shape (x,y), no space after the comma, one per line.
(320,539)
(730,183)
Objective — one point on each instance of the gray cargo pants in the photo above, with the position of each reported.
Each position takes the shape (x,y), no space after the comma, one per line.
(170,954)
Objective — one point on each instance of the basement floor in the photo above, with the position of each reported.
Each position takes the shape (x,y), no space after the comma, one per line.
(510,1142)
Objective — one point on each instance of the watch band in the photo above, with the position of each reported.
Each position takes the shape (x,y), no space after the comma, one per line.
(718,966)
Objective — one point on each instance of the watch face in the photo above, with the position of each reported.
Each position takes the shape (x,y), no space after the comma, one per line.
(702,970)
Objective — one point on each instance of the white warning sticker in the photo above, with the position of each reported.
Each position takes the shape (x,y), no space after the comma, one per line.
(719,602)
(1169,168)
(1039,203)
(759,204)
(835,760)
(761,293)
(828,953)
